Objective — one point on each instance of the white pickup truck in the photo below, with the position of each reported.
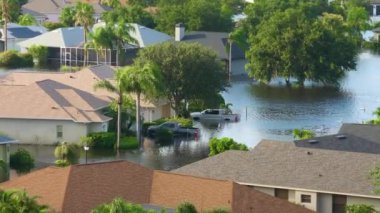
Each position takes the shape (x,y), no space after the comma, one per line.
(215,114)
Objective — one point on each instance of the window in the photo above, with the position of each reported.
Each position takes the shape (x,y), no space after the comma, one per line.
(59,131)
(305,198)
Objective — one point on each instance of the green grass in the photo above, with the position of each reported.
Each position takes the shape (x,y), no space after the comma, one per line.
(129,142)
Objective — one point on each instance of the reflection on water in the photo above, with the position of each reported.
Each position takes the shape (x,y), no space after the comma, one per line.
(269,112)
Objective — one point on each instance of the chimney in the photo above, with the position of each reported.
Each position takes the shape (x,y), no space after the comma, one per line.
(179,31)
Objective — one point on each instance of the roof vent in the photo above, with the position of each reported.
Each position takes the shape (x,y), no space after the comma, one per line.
(72,76)
(309,153)
(341,137)
(312,141)
(53,107)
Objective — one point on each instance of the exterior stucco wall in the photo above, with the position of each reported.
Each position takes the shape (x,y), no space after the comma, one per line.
(292,196)
(238,67)
(151,114)
(42,131)
(325,203)
(312,205)
(98,127)
(266,190)
(368,201)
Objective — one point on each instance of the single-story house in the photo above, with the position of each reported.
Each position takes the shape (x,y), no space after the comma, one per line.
(18,33)
(85,80)
(219,42)
(49,10)
(47,112)
(5,142)
(66,45)
(71,189)
(318,179)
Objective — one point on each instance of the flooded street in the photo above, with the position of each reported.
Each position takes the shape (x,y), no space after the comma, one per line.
(267,112)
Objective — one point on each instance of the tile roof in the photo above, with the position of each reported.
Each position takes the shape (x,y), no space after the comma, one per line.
(80,188)
(48,99)
(216,41)
(282,164)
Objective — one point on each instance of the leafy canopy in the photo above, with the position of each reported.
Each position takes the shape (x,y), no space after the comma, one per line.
(218,146)
(21,161)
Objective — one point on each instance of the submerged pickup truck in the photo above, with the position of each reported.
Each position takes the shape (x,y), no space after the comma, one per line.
(175,128)
(215,114)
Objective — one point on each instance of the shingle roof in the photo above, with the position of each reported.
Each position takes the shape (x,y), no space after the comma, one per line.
(216,41)
(80,188)
(48,99)
(25,32)
(369,132)
(6,139)
(55,6)
(342,142)
(282,164)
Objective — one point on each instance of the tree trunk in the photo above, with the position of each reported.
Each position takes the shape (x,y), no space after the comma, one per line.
(138,119)
(118,122)
(5,18)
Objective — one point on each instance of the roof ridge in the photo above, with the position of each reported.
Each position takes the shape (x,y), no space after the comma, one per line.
(193,176)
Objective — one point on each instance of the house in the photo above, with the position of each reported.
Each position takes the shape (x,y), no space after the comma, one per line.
(18,33)
(5,142)
(85,80)
(363,138)
(374,10)
(71,189)
(217,41)
(66,45)
(49,10)
(47,112)
(319,179)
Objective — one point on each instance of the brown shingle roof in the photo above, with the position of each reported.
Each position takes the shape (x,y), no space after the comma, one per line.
(284,165)
(80,188)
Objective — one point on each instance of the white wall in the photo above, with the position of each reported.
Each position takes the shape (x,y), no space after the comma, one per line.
(98,127)
(42,131)
(238,67)
(368,201)
(266,190)
(312,205)
(325,203)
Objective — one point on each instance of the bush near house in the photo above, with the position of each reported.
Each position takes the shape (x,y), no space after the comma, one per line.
(107,140)
(360,208)
(186,208)
(52,25)
(14,59)
(223,144)
(21,161)
(39,54)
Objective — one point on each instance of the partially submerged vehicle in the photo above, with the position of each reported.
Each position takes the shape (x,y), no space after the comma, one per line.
(215,115)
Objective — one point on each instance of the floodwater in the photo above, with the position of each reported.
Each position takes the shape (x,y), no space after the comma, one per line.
(267,112)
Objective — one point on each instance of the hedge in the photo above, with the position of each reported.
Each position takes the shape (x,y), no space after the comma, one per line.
(107,140)
(14,59)
(21,161)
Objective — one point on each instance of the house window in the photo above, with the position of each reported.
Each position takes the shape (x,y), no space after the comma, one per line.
(305,198)
(59,131)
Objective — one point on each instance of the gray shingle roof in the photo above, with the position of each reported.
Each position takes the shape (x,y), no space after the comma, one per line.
(103,72)
(216,41)
(350,143)
(369,132)
(22,32)
(5,139)
(282,164)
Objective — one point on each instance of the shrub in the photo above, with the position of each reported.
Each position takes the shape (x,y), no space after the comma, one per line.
(4,172)
(129,143)
(103,140)
(218,211)
(62,163)
(221,145)
(39,53)
(120,205)
(65,68)
(164,136)
(52,25)
(184,122)
(145,127)
(360,208)
(186,208)
(67,152)
(21,161)
(13,59)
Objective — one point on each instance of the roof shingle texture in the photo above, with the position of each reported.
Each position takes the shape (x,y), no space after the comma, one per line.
(283,164)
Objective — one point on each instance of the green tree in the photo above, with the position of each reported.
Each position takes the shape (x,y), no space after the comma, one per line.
(67,16)
(223,144)
(120,205)
(302,134)
(377,117)
(360,208)
(21,161)
(143,79)
(39,53)
(26,20)
(67,154)
(52,25)
(374,175)
(189,71)
(186,207)
(84,16)
(20,201)
(101,39)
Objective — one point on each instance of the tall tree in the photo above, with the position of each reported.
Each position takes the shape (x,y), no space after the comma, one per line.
(142,80)
(67,16)
(101,39)
(26,20)
(84,16)
(190,71)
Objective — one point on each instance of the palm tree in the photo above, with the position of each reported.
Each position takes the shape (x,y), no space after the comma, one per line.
(19,201)
(141,80)
(101,39)
(84,16)
(5,11)
(107,85)
(302,134)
